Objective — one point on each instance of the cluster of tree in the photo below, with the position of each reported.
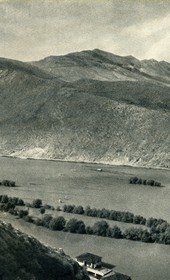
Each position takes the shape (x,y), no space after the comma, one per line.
(153,222)
(37,203)
(102,228)
(138,234)
(73,209)
(159,233)
(139,181)
(7,183)
(16,201)
(159,229)
(8,204)
(73,225)
(125,217)
(53,223)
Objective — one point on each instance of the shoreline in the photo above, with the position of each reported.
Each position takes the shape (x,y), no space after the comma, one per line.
(86,162)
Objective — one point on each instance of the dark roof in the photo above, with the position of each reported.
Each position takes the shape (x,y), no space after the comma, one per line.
(115,276)
(88,257)
(108,265)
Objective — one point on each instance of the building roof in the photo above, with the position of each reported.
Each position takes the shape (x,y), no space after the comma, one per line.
(88,257)
(115,276)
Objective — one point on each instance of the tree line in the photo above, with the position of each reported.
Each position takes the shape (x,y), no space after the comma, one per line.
(139,181)
(120,216)
(7,183)
(159,229)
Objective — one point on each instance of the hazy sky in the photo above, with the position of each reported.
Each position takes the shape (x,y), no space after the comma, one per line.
(33,29)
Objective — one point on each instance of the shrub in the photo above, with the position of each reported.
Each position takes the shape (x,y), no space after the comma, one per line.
(87,211)
(9,206)
(78,210)
(12,211)
(4,199)
(57,223)
(37,203)
(133,180)
(75,226)
(100,228)
(81,227)
(8,183)
(89,230)
(68,208)
(22,213)
(38,222)
(114,232)
(133,234)
(42,210)
(46,220)
(28,219)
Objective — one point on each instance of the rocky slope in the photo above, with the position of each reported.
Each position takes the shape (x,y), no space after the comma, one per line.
(24,258)
(88,106)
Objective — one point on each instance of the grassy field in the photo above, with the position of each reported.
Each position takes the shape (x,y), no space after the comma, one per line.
(78,183)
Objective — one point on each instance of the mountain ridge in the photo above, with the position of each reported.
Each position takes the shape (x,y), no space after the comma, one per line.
(82,108)
(99,58)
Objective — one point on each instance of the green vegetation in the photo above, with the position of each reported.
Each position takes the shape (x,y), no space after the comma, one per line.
(139,181)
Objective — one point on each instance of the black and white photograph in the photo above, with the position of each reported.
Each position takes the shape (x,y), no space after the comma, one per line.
(84,139)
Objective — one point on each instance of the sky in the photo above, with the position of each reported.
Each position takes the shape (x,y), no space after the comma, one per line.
(33,29)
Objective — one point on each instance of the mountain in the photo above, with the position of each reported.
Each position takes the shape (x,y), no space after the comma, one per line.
(88,106)
(24,257)
(100,65)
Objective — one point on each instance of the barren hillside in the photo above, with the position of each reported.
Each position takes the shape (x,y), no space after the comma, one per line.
(88,106)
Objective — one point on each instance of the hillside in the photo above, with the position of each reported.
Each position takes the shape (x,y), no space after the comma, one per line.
(23,257)
(88,106)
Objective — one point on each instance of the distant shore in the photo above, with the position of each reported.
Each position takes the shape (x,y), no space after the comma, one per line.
(85,162)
